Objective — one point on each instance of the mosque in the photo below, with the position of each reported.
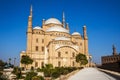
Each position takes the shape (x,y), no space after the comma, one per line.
(52,43)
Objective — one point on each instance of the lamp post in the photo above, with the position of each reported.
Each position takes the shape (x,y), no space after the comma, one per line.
(90,60)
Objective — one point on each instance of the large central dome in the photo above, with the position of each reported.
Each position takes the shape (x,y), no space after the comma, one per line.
(52,20)
(58,29)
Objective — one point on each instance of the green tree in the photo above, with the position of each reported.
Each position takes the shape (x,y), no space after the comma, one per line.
(26,60)
(2,65)
(81,59)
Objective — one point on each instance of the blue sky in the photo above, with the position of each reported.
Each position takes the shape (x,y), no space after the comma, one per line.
(102,18)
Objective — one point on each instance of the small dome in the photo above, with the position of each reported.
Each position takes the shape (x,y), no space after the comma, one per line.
(37,27)
(52,20)
(23,51)
(58,29)
(76,33)
(62,38)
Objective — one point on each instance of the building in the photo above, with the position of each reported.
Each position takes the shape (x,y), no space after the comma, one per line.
(111,62)
(53,44)
(111,58)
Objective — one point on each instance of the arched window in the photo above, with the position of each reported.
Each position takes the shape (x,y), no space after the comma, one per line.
(73,54)
(59,54)
(36,48)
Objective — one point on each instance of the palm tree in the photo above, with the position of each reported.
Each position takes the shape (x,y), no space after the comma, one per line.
(26,60)
(81,59)
(47,69)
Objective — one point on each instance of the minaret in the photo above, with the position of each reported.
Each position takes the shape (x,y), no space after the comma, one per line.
(67,26)
(29,32)
(114,50)
(85,40)
(30,21)
(43,22)
(63,19)
(85,32)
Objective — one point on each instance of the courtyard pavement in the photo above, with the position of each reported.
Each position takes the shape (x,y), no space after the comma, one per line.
(91,74)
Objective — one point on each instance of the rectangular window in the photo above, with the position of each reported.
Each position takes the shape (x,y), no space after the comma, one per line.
(37,40)
(66,52)
(73,63)
(59,63)
(42,40)
(42,64)
(36,48)
(42,48)
(59,54)
(36,64)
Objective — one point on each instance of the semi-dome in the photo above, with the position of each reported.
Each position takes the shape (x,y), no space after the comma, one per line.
(37,27)
(76,33)
(62,38)
(58,29)
(52,20)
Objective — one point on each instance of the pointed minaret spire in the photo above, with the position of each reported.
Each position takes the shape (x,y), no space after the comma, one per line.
(63,19)
(67,26)
(30,21)
(31,10)
(114,50)
(29,33)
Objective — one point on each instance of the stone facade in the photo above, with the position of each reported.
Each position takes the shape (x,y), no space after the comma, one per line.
(53,44)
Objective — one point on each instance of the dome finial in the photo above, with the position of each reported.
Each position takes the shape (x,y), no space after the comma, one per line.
(31,10)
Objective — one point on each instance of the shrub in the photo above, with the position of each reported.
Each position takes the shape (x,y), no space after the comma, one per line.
(29,75)
(39,70)
(55,73)
(37,78)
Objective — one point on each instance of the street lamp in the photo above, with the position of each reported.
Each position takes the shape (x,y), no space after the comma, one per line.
(90,60)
